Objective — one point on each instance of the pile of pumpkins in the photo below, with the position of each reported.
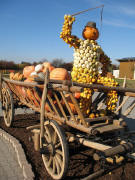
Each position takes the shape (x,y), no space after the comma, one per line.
(30,72)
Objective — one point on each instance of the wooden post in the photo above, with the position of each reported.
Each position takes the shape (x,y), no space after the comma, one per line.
(36,139)
(124,82)
(42,113)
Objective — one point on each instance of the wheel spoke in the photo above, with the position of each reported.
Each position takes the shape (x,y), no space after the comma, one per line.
(47,138)
(57,145)
(48,132)
(59,152)
(54,166)
(50,161)
(57,166)
(58,159)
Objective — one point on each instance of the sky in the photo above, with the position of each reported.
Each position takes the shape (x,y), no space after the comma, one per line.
(30,29)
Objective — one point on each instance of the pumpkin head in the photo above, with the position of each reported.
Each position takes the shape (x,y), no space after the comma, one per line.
(90,33)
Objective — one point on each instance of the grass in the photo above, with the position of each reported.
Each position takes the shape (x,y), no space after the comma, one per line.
(129,83)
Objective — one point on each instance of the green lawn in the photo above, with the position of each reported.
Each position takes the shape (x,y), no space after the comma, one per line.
(129,83)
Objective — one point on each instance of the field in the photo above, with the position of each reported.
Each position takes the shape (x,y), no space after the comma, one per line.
(129,83)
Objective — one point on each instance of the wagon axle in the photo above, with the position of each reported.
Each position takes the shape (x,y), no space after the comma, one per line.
(48,149)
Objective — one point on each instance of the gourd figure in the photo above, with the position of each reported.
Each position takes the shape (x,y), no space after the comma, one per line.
(88,58)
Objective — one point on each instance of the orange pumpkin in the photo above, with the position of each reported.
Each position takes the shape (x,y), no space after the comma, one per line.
(29,79)
(47,65)
(11,75)
(77,95)
(23,92)
(47,106)
(72,106)
(29,95)
(90,33)
(28,70)
(59,74)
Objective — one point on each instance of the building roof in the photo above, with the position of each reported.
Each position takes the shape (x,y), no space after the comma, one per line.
(126,59)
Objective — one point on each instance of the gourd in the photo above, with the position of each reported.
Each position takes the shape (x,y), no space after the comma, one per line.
(38,68)
(11,75)
(59,74)
(28,70)
(77,95)
(31,97)
(17,76)
(47,65)
(70,103)
(90,33)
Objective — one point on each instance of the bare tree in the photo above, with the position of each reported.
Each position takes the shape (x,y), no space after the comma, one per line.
(57,62)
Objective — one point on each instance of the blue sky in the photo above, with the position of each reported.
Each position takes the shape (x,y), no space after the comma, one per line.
(29,29)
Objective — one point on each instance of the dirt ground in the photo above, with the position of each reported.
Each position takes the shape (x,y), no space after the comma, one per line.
(81,163)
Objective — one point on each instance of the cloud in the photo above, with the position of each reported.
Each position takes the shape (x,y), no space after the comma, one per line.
(128,10)
(118,24)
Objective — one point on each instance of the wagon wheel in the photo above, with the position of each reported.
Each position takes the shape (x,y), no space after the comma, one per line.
(7,105)
(55,146)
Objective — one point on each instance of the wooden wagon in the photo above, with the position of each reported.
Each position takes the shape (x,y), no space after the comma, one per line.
(108,136)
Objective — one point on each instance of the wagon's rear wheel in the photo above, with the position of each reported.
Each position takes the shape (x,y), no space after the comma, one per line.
(7,105)
(55,146)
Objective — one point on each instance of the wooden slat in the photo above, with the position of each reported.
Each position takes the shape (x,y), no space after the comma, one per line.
(68,107)
(123,102)
(33,97)
(78,110)
(60,106)
(99,119)
(120,102)
(129,109)
(101,104)
(129,94)
(52,104)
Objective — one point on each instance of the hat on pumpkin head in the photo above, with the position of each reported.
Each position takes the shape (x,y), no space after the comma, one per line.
(91,24)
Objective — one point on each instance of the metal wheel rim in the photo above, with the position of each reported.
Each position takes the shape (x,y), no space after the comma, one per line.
(57,164)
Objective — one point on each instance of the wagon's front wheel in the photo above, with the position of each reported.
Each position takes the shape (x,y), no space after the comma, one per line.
(56,154)
(7,105)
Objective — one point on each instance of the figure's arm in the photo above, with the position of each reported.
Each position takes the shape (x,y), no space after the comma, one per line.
(66,32)
(106,62)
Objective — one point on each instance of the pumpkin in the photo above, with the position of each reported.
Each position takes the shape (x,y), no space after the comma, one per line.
(16,76)
(90,33)
(23,92)
(59,74)
(72,106)
(11,75)
(30,95)
(28,70)
(38,68)
(30,79)
(77,95)
(47,65)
